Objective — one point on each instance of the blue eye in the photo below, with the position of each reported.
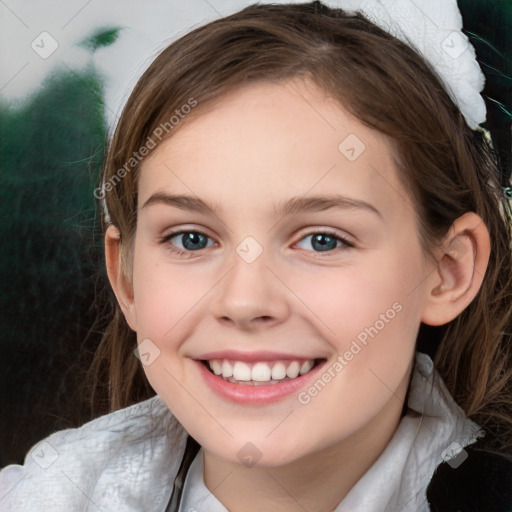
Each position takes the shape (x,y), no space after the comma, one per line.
(189,239)
(326,241)
(193,241)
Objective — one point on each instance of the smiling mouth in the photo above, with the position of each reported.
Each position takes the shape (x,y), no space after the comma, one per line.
(260,373)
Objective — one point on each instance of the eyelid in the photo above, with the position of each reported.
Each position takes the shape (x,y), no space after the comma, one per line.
(180,231)
(186,254)
(315,231)
(346,242)
(328,231)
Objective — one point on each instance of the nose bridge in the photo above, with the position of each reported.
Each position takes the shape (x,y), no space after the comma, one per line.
(250,290)
(249,273)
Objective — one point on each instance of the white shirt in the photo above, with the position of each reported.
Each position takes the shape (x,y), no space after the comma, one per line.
(127,460)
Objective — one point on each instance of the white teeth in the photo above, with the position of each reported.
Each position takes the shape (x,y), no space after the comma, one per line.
(278,371)
(306,367)
(260,371)
(227,369)
(241,371)
(293,370)
(216,367)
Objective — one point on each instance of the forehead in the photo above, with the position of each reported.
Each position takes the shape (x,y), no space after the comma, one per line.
(268,141)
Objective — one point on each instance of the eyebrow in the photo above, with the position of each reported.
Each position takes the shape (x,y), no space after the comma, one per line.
(288,207)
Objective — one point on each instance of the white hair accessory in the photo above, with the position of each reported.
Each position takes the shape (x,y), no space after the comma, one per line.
(434,29)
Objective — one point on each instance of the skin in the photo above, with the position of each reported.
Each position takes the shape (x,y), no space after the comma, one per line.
(258,146)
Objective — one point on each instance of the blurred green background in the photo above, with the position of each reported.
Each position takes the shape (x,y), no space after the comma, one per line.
(51,151)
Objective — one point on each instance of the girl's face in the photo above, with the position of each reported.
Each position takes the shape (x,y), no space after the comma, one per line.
(299,246)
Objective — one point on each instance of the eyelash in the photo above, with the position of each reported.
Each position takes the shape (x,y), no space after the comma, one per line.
(180,252)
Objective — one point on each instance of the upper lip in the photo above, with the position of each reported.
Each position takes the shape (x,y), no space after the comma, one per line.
(249,357)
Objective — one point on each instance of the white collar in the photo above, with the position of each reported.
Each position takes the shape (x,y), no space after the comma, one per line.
(398,479)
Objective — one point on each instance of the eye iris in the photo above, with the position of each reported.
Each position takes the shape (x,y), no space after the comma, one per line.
(320,241)
(323,246)
(193,238)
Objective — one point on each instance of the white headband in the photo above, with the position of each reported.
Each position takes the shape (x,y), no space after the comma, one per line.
(434,29)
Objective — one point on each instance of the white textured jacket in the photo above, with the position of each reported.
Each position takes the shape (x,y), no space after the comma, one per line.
(126,461)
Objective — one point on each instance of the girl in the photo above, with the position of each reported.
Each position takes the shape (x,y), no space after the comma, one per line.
(299,208)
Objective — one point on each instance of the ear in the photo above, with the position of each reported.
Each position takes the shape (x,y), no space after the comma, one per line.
(461,265)
(120,284)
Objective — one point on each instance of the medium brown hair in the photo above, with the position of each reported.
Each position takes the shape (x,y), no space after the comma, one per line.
(447,168)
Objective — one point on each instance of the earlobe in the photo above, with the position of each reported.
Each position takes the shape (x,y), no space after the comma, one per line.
(459,272)
(123,289)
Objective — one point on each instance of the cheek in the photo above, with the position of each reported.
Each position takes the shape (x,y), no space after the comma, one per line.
(370,316)
(372,325)
(346,301)
(165,294)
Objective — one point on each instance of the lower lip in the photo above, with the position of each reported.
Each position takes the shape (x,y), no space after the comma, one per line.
(243,394)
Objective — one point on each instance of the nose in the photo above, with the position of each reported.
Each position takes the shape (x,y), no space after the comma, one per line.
(252,296)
